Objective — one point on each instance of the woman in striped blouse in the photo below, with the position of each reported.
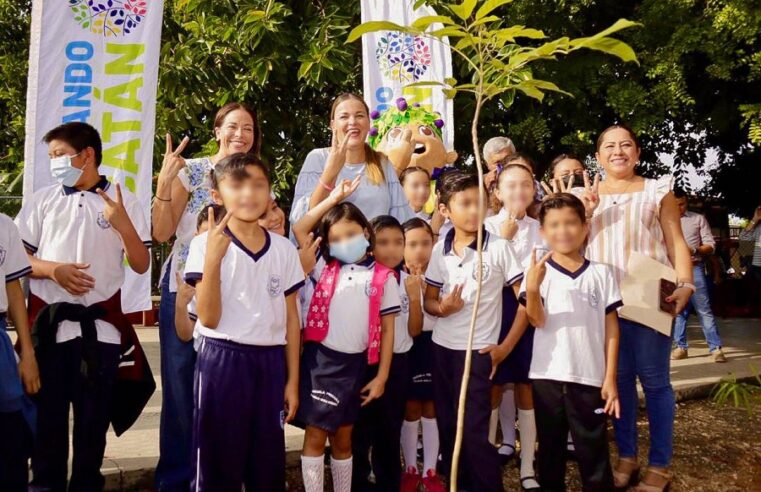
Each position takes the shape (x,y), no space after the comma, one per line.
(629,213)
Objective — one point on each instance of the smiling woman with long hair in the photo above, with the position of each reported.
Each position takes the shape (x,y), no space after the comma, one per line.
(349,156)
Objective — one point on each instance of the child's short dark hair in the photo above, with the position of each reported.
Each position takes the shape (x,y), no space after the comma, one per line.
(343,211)
(562,200)
(455,182)
(413,169)
(383,222)
(417,223)
(522,156)
(679,193)
(234,166)
(203,215)
(79,135)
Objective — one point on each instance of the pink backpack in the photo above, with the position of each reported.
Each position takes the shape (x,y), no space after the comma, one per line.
(317,325)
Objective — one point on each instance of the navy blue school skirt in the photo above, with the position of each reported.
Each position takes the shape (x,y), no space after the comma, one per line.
(421,368)
(515,368)
(329,386)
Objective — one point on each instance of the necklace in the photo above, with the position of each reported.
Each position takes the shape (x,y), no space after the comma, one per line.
(617,195)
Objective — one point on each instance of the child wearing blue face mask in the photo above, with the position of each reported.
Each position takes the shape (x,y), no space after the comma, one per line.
(77,234)
(350,324)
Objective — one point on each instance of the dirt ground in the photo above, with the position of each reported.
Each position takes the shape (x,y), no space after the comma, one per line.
(716,448)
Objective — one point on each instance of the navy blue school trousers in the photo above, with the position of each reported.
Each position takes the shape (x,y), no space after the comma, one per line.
(479,468)
(238,419)
(562,407)
(62,385)
(378,429)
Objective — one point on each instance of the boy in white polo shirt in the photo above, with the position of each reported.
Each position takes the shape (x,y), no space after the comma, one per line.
(16,419)
(572,302)
(77,233)
(453,271)
(246,380)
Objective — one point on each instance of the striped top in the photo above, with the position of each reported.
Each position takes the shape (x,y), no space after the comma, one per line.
(755,236)
(628,222)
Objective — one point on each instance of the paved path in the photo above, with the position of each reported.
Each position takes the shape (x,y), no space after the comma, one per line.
(131,458)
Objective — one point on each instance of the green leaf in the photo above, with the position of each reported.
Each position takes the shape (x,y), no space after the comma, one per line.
(450,31)
(450,81)
(610,46)
(426,83)
(489,6)
(425,22)
(601,41)
(484,20)
(465,9)
(375,26)
(510,33)
(418,4)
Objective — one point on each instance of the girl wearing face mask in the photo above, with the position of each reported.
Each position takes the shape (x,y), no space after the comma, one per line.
(515,192)
(182,191)
(348,157)
(350,324)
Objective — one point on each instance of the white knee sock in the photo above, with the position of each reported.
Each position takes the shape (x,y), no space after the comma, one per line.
(341,471)
(430,444)
(493,426)
(569,444)
(313,473)
(527,428)
(507,417)
(409,443)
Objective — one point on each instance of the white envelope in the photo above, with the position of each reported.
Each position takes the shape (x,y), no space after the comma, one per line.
(640,291)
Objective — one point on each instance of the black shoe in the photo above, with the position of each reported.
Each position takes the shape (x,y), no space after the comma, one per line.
(525,479)
(506,453)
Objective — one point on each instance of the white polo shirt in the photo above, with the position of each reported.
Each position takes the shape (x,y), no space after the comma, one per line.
(570,346)
(349,313)
(402,338)
(14,263)
(253,288)
(67,225)
(526,238)
(446,269)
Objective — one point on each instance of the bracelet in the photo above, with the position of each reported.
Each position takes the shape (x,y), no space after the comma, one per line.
(162,199)
(326,186)
(687,285)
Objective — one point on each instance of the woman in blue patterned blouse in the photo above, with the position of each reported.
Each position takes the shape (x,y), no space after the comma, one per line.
(183,189)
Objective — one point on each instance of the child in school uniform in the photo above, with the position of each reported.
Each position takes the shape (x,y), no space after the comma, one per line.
(246,280)
(452,278)
(378,428)
(420,411)
(350,324)
(572,302)
(416,183)
(184,321)
(16,377)
(77,233)
(514,192)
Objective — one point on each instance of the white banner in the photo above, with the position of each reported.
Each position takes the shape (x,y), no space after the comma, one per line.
(97,62)
(391,60)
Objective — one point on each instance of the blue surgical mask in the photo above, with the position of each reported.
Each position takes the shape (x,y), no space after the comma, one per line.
(64,172)
(351,250)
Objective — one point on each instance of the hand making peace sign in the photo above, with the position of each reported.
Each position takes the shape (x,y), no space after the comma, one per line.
(114,212)
(171,166)
(536,271)
(217,241)
(452,302)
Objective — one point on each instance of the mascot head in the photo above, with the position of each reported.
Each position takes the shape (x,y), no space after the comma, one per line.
(410,135)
